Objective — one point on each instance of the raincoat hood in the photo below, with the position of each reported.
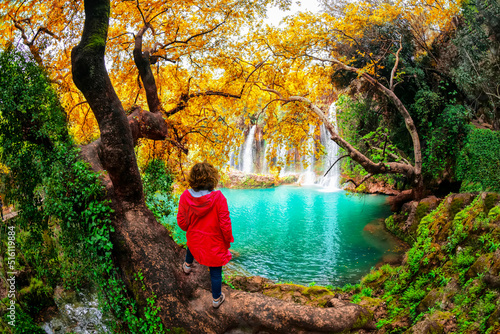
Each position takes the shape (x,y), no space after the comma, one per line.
(200,206)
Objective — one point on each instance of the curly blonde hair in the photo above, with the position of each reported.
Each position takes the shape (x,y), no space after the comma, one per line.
(203,176)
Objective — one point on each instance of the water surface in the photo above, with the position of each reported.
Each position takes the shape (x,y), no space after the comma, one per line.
(304,235)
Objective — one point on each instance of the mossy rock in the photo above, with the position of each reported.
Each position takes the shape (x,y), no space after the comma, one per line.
(457,202)
(434,296)
(291,287)
(289,179)
(317,296)
(490,200)
(481,265)
(426,326)
(451,289)
(370,303)
(316,291)
(375,278)
(251,284)
(495,263)
(494,318)
(442,317)
(36,296)
(421,211)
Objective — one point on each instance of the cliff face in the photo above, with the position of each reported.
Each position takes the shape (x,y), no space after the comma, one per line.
(449,279)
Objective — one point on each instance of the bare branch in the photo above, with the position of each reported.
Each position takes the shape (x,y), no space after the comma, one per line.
(338,159)
(45,30)
(356,185)
(393,72)
(76,105)
(195,35)
(140,11)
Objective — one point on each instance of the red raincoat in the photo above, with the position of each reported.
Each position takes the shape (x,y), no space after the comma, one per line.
(209,233)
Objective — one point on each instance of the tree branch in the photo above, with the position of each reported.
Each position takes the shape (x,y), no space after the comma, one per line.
(356,155)
(410,125)
(195,35)
(143,63)
(356,185)
(393,72)
(33,49)
(338,159)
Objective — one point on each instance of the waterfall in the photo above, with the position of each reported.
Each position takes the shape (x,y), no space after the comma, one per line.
(281,157)
(309,175)
(331,180)
(251,156)
(247,160)
(265,167)
(231,162)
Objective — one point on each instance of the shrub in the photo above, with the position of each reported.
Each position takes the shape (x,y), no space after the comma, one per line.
(478,165)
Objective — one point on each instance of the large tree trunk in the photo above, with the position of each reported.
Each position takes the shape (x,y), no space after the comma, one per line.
(142,244)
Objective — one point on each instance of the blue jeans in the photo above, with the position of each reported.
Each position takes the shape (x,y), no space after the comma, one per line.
(215,276)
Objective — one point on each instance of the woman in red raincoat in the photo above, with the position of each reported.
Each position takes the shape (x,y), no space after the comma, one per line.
(203,213)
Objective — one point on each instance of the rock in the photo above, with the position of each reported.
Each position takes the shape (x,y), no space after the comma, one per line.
(456,202)
(315,291)
(492,281)
(335,302)
(396,202)
(444,319)
(414,212)
(392,259)
(410,210)
(240,180)
(489,200)
(289,179)
(370,228)
(235,253)
(494,318)
(481,265)
(250,284)
(77,313)
(495,263)
(426,326)
(325,300)
(291,287)
(430,300)
(432,202)
(450,290)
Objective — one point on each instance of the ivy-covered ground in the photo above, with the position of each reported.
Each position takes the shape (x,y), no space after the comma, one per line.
(62,231)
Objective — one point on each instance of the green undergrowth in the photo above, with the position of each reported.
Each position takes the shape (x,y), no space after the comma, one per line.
(64,220)
(449,275)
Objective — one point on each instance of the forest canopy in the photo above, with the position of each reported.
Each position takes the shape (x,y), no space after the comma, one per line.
(216,69)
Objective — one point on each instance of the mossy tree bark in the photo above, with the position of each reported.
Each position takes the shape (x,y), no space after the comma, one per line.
(140,242)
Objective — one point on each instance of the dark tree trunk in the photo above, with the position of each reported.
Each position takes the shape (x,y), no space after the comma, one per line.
(142,244)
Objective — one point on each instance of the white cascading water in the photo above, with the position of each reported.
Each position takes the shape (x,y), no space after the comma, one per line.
(309,175)
(331,180)
(281,157)
(265,167)
(247,159)
(231,162)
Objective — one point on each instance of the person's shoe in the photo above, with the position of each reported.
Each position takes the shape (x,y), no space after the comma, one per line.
(217,302)
(187,268)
